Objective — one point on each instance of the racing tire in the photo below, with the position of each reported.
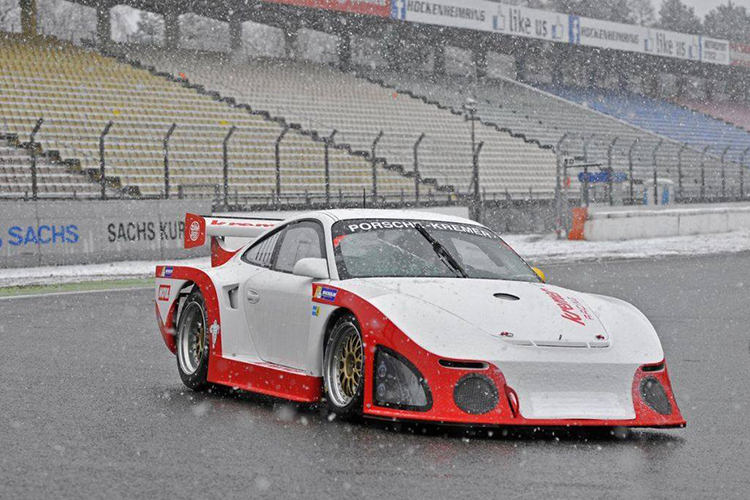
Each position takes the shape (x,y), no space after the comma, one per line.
(344,368)
(193,343)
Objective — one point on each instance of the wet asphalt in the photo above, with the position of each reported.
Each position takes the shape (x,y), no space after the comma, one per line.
(91,406)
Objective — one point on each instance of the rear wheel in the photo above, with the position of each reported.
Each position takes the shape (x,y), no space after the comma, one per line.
(344,368)
(193,343)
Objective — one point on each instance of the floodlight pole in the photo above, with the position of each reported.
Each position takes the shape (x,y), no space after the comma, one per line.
(32,145)
(102,160)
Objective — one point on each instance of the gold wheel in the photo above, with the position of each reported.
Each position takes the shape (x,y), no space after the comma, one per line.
(344,365)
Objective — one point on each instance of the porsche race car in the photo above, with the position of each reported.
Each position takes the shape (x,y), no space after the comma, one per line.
(409,316)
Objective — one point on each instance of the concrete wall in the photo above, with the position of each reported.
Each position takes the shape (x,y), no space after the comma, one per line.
(628,223)
(49,233)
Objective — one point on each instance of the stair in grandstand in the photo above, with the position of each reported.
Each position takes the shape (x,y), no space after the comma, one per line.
(56,177)
(545,118)
(79,91)
(324,99)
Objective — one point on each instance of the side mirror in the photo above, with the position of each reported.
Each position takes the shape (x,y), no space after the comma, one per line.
(540,273)
(316,269)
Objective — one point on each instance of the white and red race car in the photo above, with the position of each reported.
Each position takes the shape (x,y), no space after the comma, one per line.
(406,315)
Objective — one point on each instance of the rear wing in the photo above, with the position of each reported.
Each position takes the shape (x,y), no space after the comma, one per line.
(198,228)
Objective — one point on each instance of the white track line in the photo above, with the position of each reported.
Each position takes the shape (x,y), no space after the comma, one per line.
(79,292)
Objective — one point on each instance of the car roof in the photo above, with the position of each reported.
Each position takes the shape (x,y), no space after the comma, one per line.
(362,213)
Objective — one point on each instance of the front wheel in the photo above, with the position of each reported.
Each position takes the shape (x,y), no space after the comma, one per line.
(193,343)
(344,368)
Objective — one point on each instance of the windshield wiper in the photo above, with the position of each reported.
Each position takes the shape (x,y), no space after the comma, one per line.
(441,251)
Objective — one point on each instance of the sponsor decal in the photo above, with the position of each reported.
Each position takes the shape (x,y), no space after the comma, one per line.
(568,311)
(316,311)
(42,235)
(167,272)
(227,223)
(325,293)
(214,331)
(195,230)
(506,335)
(131,232)
(164,292)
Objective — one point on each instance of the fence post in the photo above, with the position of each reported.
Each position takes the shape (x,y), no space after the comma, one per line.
(558,185)
(610,151)
(679,169)
(477,198)
(417,178)
(166,159)
(703,172)
(742,173)
(278,162)
(102,160)
(327,168)
(225,163)
(373,150)
(656,175)
(630,168)
(724,173)
(32,145)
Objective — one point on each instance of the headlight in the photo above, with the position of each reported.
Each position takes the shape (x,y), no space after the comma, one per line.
(398,383)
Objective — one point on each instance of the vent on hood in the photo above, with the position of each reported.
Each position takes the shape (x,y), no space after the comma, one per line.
(507,296)
(599,344)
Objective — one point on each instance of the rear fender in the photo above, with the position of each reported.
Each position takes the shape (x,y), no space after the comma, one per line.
(171,281)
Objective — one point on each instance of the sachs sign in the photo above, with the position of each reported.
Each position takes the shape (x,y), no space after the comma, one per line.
(381,8)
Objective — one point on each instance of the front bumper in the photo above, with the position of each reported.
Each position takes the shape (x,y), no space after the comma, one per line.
(514,408)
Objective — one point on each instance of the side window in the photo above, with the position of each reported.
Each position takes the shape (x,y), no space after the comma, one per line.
(261,253)
(301,241)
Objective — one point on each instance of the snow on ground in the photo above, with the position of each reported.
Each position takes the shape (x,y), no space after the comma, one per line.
(538,249)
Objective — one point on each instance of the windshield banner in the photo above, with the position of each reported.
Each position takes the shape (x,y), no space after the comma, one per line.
(364,226)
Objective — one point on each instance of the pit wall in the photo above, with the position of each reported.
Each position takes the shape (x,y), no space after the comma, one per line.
(630,223)
(48,233)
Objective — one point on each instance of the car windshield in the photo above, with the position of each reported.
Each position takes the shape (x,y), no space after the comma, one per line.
(370,248)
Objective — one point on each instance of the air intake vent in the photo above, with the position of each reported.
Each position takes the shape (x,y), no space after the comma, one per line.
(655,396)
(466,365)
(475,394)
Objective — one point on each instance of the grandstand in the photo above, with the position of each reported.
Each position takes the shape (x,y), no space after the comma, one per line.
(78,91)
(325,99)
(274,131)
(544,117)
(662,117)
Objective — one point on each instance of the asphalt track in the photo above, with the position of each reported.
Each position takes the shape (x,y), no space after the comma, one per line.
(91,406)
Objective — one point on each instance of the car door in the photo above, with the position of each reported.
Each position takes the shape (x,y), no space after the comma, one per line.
(278,303)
